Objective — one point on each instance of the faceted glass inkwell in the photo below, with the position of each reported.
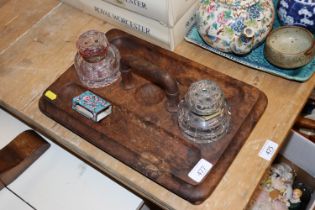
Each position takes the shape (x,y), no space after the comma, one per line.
(97,61)
(204,115)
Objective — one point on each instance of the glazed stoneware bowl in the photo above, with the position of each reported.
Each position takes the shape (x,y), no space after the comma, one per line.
(289,47)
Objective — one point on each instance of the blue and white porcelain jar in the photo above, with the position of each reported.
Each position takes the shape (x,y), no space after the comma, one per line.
(297,12)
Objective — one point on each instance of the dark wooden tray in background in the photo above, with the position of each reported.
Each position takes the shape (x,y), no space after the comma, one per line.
(19,154)
(147,137)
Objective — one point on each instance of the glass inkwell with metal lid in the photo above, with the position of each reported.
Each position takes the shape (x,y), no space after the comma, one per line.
(97,61)
(204,115)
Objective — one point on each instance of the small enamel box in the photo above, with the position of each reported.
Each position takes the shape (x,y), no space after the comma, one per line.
(91,106)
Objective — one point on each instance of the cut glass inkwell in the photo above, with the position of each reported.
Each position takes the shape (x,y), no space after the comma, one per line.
(204,115)
(97,61)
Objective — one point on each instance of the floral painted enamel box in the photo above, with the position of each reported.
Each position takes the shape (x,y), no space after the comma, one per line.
(235,25)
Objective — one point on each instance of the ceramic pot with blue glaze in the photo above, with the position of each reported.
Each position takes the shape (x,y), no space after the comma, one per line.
(235,25)
(297,12)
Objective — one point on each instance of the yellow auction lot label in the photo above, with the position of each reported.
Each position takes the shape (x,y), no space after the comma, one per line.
(51,95)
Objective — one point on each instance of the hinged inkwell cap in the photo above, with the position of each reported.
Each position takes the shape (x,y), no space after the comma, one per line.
(97,61)
(204,115)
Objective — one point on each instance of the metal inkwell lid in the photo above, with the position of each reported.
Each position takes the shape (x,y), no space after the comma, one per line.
(204,115)
(92,46)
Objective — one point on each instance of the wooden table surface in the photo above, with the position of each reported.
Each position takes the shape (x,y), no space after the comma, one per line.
(37,45)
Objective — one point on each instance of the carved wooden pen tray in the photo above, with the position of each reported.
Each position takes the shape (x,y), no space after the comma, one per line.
(145,136)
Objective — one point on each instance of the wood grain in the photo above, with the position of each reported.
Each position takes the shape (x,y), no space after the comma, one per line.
(48,50)
(16,18)
(3,2)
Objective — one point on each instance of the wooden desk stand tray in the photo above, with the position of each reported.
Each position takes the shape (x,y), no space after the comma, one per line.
(146,136)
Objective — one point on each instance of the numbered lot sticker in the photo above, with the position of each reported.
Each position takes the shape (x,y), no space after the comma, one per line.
(268,150)
(200,170)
